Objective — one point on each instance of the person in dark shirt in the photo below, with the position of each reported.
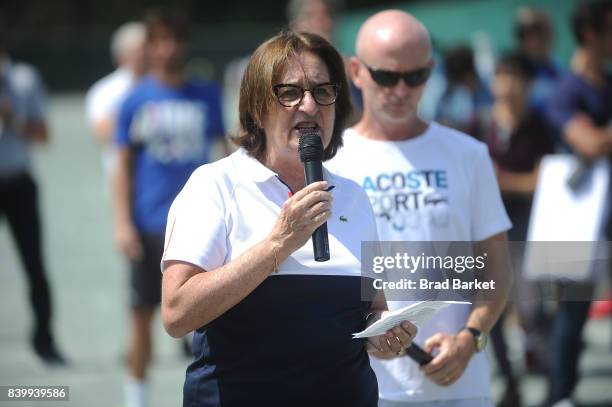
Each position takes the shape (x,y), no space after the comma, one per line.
(518,137)
(581,112)
(534,34)
(23,123)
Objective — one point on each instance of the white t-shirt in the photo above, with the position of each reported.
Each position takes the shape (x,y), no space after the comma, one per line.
(103,100)
(439,186)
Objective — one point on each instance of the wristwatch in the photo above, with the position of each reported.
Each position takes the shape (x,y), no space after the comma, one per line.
(480,338)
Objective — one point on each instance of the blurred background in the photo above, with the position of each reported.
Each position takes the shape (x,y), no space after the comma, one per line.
(68,40)
(68,44)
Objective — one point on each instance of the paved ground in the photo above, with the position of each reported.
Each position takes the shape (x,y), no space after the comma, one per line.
(89,291)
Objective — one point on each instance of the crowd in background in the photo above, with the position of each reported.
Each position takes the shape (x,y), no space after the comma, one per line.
(522,110)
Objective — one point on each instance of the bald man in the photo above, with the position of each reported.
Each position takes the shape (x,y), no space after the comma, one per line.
(426,182)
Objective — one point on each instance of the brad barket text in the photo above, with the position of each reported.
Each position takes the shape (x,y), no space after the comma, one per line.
(412,264)
(425,284)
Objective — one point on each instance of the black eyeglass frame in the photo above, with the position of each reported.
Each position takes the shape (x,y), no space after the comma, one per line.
(412,78)
(336,87)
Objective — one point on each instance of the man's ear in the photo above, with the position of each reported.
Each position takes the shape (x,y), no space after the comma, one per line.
(355,71)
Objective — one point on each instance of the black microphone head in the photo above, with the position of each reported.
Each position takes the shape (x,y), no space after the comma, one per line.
(311,146)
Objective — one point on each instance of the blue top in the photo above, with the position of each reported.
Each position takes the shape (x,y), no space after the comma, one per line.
(574,95)
(465,109)
(547,75)
(299,352)
(170,131)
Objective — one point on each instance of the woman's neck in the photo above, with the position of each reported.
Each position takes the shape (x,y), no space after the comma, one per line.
(290,171)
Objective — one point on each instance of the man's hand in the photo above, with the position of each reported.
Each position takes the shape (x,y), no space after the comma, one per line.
(31,129)
(450,363)
(588,140)
(128,241)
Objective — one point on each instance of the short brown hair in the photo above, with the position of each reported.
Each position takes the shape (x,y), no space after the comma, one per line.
(591,15)
(175,21)
(263,71)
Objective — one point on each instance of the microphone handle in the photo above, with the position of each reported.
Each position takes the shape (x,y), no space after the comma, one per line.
(417,354)
(313,172)
(320,243)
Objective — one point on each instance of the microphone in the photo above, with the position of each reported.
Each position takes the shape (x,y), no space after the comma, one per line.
(417,354)
(311,155)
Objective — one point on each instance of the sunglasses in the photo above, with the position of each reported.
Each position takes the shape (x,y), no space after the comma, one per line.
(324,94)
(391,78)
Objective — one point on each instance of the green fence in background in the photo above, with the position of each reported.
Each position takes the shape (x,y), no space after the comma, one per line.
(452,22)
(72,57)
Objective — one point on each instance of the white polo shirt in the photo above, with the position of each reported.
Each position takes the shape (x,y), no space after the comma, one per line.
(228,206)
(295,328)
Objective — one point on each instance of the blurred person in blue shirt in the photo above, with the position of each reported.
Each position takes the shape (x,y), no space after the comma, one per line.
(435,86)
(23,122)
(166,127)
(581,111)
(534,34)
(466,101)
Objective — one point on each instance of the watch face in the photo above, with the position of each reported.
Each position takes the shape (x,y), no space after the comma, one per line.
(480,339)
(481,342)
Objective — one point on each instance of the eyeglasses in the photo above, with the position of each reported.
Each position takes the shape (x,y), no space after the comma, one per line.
(390,78)
(324,94)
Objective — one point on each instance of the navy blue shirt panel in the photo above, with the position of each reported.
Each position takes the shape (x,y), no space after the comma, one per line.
(289,343)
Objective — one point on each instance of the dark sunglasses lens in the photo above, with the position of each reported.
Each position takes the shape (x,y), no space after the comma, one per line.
(385,78)
(416,78)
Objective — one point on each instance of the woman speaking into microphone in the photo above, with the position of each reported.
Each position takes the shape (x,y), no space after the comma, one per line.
(272,325)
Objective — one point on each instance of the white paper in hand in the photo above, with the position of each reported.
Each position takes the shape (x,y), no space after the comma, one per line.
(417,313)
